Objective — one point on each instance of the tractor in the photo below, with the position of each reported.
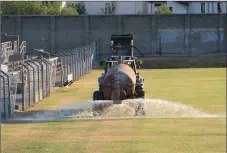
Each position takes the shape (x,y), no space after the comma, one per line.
(120,80)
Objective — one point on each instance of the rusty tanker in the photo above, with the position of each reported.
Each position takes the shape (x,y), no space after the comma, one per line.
(120,81)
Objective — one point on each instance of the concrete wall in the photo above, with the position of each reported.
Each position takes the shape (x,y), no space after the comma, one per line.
(170,34)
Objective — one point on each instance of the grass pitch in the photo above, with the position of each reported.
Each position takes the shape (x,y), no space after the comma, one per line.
(204,89)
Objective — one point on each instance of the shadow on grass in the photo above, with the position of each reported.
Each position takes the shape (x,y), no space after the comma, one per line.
(176,62)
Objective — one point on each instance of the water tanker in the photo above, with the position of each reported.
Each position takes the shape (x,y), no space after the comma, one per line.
(120,81)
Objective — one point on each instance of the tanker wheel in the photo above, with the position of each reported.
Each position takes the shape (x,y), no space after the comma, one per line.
(140,94)
(97,95)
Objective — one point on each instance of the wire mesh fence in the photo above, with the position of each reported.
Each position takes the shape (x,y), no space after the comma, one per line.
(8,87)
(74,64)
(31,80)
(4,95)
(35,79)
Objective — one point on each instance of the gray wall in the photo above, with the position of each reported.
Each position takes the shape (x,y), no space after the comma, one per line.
(172,34)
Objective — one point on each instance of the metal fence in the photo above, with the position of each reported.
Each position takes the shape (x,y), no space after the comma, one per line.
(8,87)
(74,64)
(31,80)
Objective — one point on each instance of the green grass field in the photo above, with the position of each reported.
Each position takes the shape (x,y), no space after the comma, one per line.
(204,89)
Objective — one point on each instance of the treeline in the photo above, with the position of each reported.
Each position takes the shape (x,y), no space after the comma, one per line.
(40,8)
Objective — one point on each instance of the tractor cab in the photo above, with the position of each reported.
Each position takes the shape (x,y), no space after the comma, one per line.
(122,44)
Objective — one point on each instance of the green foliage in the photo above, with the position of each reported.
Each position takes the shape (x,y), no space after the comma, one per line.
(35,8)
(69,11)
(21,8)
(79,8)
(163,10)
(108,9)
(53,8)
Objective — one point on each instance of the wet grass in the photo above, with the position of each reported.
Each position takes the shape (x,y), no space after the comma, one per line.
(204,89)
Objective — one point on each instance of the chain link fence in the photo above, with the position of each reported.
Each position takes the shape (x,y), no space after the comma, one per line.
(74,64)
(34,82)
(31,80)
(8,87)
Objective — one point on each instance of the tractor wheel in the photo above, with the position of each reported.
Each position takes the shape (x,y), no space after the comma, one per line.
(97,95)
(140,94)
(97,110)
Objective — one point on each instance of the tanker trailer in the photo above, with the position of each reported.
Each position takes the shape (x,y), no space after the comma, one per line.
(120,81)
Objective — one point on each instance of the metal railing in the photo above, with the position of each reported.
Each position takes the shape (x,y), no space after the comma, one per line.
(32,80)
(74,64)
(7,94)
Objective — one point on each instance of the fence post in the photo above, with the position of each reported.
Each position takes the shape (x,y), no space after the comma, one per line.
(65,67)
(4,101)
(8,84)
(86,59)
(67,63)
(94,52)
(25,91)
(47,78)
(38,79)
(48,65)
(73,64)
(41,64)
(77,64)
(1,99)
(81,64)
(99,48)
(83,60)
(33,87)
(62,68)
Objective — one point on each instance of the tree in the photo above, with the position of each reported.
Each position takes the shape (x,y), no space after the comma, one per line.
(21,8)
(35,8)
(52,8)
(108,9)
(79,8)
(163,10)
(69,11)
